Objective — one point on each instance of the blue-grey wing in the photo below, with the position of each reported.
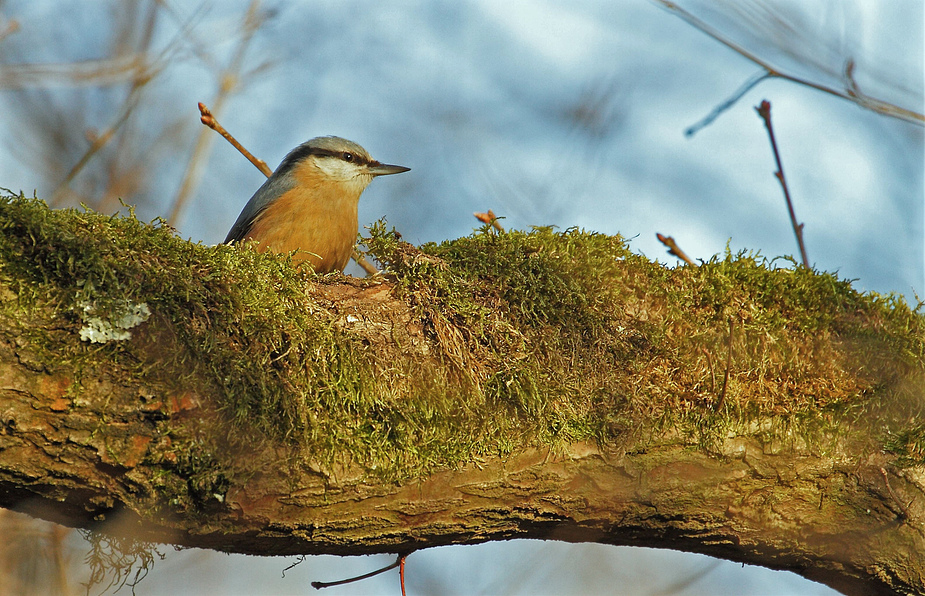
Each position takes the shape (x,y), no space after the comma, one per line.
(275,187)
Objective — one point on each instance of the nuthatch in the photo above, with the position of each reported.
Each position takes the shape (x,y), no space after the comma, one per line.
(310,203)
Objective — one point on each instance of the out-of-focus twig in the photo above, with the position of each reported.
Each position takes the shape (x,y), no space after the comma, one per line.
(228,81)
(674,249)
(99,141)
(95,73)
(146,70)
(851,92)
(718,110)
(9,28)
(764,110)
(125,141)
(489,218)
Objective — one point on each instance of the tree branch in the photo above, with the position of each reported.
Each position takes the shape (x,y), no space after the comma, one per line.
(262,410)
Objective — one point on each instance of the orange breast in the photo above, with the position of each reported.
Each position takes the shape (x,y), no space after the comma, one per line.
(322,226)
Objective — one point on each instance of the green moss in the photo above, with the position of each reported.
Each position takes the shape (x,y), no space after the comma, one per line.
(908,444)
(610,342)
(236,313)
(540,338)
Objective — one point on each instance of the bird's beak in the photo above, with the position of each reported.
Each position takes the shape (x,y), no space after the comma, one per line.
(384,169)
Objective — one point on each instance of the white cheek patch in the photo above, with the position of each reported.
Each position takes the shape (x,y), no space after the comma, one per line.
(338,169)
(354,177)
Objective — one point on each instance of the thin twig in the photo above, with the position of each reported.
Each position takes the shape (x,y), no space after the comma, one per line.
(489,218)
(147,71)
(12,26)
(399,561)
(209,120)
(125,141)
(903,509)
(764,110)
(98,143)
(722,394)
(97,73)
(718,110)
(401,573)
(709,356)
(674,249)
(851,93)
(364,263)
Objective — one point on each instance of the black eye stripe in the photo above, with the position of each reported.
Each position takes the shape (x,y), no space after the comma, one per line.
(344,155)
(302,152)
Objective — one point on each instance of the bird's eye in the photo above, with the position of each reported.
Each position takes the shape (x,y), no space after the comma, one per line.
(348,157)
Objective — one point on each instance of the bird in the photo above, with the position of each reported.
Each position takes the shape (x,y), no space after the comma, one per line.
(310,203)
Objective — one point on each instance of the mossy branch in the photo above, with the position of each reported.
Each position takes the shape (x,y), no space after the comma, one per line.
(546,384)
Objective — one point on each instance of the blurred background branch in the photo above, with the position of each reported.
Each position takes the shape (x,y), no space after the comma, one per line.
(795,37)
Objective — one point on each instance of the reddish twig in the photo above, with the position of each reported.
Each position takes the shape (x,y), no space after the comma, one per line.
(209,120)
(401,573)
(674,249)
(764,110)
(11,27)
(489,218)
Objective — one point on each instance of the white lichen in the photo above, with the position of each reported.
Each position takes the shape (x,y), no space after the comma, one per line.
(97,330)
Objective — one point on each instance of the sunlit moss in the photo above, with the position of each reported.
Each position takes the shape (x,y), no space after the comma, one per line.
(611,343)
(541,338)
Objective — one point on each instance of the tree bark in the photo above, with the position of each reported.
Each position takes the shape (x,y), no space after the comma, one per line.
(105,437)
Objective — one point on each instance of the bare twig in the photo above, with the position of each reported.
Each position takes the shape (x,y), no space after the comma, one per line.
(10,27)
(145,71)
(851,92)
(674,249)
(489,218)
(718,110)
(400,561)
(903,509)
(102,72)
(141,72)
(122,174)
(401,573)
(98,143)
(722,394)
(764,110)
(209,120)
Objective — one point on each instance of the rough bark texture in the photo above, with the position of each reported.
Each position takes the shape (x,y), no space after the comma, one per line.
(130,452)
(848,524)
